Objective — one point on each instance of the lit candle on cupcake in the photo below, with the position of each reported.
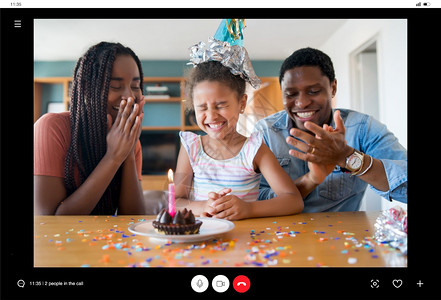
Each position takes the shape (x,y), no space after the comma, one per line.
(171,194)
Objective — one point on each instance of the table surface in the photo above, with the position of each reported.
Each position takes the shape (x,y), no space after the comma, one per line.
(334,239)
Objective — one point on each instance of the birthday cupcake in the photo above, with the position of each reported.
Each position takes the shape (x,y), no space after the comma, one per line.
(182,223)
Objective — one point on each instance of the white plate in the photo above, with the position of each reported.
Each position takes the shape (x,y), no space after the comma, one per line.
(210,228)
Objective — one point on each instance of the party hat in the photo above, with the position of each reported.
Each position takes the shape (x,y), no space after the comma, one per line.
(231,31)
(227,47)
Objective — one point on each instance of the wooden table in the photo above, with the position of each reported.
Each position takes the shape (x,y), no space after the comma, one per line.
(342,239)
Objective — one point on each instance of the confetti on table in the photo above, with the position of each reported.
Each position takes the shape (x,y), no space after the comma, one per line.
(263,247)
(105,258)
(352,260)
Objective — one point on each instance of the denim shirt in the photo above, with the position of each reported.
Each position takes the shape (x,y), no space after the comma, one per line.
(339,191)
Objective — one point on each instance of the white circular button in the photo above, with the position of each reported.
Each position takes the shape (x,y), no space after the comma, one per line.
(220,283)
(199,283)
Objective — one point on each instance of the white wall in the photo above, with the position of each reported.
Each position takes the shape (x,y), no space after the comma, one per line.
(391,36)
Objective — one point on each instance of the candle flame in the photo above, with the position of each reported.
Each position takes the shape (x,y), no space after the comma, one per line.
(170,176)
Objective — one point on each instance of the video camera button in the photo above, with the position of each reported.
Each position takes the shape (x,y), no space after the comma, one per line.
(220,283)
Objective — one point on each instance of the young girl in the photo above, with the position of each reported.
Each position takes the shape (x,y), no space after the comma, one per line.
(88,160)
(222,169)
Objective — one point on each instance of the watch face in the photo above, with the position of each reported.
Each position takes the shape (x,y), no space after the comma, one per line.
(354,162)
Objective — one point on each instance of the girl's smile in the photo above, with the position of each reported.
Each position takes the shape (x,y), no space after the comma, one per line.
(216,126)
(217,108)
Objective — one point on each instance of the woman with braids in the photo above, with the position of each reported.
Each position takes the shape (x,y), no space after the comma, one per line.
(88,160)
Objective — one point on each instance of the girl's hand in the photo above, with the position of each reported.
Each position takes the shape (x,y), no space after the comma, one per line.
(231,207)
(125,131)
(228,207)
(212,196)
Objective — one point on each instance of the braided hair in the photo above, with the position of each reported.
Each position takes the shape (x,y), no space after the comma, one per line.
(88,120)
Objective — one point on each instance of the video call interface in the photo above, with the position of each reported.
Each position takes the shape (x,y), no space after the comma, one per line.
(268,261)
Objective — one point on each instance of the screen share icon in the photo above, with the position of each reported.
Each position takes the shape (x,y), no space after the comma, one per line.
(375,283)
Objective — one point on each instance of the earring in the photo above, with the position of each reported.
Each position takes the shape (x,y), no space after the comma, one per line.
(242,110)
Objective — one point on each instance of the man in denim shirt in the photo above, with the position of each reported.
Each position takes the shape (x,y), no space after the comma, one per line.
(353,148)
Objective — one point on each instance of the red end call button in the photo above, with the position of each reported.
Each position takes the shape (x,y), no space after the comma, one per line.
(241,284)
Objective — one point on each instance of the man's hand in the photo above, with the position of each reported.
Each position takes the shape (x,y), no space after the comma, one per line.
(327,147)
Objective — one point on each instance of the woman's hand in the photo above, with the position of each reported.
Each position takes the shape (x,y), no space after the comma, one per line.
(140,103)
(125,131)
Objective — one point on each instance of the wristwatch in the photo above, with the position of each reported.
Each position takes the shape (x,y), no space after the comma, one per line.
(354,162)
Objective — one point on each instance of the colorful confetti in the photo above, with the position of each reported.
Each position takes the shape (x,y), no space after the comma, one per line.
(266,246)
